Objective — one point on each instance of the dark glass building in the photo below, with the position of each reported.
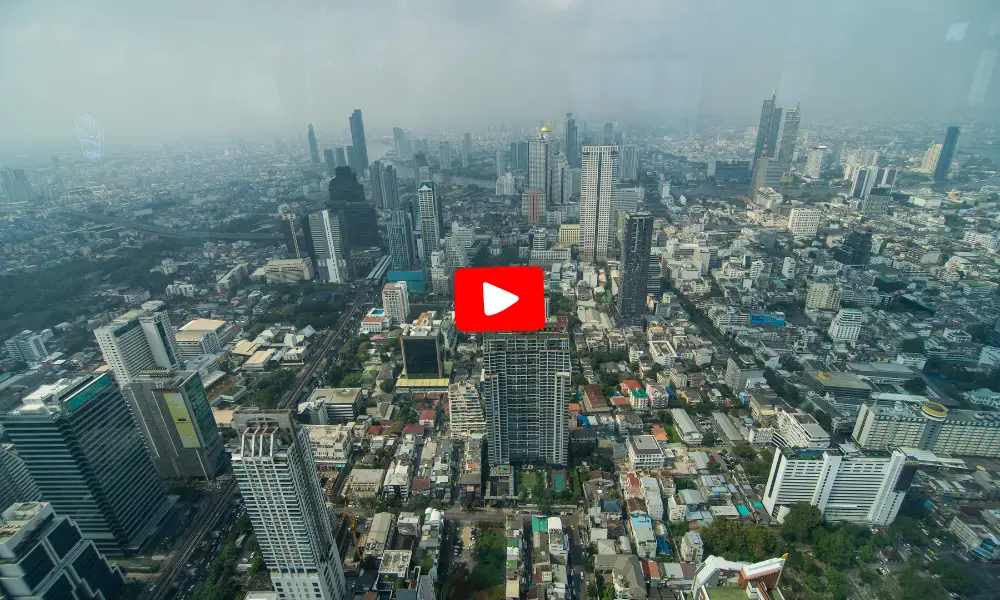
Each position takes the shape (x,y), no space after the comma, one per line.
(572,150)
(347,200)
(331,163)
(631,305)
(358,141)
(855,249)
(313,147)
(947,153)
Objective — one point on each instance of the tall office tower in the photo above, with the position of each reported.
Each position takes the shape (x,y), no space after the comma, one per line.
(358,140)
(864,180)
(276,471)
(767,130)
(329,246)
(519,156)
(357,216)
(375,172)
(400,234)
(609,134)
(789,136)
(533,205)
(421,168)
(466,148)
(330,161)
(572,149)
(804,222)
(629,171)
(814,162)
(886,177)
(542,164)
(398,138)
(444,156)
(341,159)
(947,153)
(597,197)
(390,187)
(313,147)
(16,185)
(766,174)
(45,557)
(431,223)
(636,244)
(877,203)
(526,389)
(16,484)
(501,162)
(857,488)
(652,190)
(85,453)
(175,418)
(136,341)
(465,410)
(298,239)
(929,164)
(560,180)
(396,302)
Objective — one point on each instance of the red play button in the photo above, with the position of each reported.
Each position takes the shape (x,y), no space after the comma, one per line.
(500,299)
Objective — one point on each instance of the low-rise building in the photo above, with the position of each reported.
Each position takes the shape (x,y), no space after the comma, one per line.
(644,452)
(364,483)
(289,270)
(380,534)
(976,537)
(692,548)
(331,444)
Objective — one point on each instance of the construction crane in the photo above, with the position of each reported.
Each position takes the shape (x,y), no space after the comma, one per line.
(354,534)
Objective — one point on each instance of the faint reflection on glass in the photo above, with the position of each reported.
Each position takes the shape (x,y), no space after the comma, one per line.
(91,138)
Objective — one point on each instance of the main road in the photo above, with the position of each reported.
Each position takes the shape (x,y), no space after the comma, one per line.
(213,510)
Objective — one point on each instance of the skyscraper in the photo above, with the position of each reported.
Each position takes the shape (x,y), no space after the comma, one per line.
(85,453)
(532,205)
(175,418)
(45,556)
(357,216)
(400,233)
(789,136)
(501,162)
(767,129)
(814,162)
(444,156)
(341,160)
(16,484)
(636,245)
(876,204)
(519,156)
(572,149)
(526,390)
(358,140)
(398,137)
(396,302)
(313,147)
(390,187)
(929,164)
(297,236)
(947,153)
(136,341)
(609,134)
(597,196)
(375,170)
(276,471)
(466,148)
(629,170)
(431,223)
(541,162)
(329,245)
(331,162)
(863,182)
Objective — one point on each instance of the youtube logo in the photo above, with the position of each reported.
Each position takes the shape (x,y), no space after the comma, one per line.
(500,299)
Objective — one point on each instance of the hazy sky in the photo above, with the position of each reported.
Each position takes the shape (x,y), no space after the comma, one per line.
(163,70)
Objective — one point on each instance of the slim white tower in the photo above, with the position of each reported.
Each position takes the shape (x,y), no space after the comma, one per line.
(276,471)
(597,196)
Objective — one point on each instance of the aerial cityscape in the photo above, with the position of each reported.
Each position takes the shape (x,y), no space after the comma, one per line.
(770,361)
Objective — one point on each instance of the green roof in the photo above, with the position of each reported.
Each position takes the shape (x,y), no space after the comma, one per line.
(539,524)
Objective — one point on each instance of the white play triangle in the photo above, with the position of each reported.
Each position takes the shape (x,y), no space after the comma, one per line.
(496,300)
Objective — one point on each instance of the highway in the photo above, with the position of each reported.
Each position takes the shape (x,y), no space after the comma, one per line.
(209,515)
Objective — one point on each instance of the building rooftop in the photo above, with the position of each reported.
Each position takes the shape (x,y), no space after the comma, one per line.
(837,379)
(204,325)
(335,395)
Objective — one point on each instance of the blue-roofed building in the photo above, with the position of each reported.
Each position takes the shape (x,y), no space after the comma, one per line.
(416,283)
(643,538)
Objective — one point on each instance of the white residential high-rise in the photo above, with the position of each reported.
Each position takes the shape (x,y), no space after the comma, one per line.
(858,488)
(396,302)
(814,162)
(276,471)
(465,409)
(788,268)
(444,155)
(138,340)
(931,159)
(542,165)
(501,161)
(328,245)
(431,224)
(27,346)
(846,326)
(526,388)
(804,222)
(597,198)
(506,185)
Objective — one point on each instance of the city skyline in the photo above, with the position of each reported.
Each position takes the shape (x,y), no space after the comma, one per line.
(279,75)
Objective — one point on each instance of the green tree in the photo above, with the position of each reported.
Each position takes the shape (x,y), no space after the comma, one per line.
(953,577)
(866,553)
(916,386)
(386,386)
(257,566)
(837,584)
(802,517)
